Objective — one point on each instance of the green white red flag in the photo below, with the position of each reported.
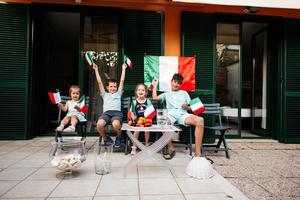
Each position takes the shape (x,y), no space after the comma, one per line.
(128,62)
(81,104)
(197,106)
(130,113)
(164,67)
(54,97)
(88,58)
(149,112)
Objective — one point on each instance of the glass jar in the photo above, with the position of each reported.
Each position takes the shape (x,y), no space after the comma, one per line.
(103,158)
(162,117)
(67,155)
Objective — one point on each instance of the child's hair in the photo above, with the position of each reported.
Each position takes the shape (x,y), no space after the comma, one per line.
(73,87)
(111,80)
(136,88)
(178,78)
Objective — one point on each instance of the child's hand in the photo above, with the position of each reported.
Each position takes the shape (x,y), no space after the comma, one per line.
(59,105)
(95,67)
(77,108)
(124,66)
(185,106)
(154,82)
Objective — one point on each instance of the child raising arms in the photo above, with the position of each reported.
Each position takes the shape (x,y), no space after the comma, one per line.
(74,114)
(111,106)
(139,106)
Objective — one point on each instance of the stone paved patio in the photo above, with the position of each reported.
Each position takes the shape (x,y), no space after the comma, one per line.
(260,169)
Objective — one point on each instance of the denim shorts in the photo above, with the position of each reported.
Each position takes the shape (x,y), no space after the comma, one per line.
(112,115)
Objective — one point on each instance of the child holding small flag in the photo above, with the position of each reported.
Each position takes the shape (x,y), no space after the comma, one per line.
(111,106)
(141,107)
(74,111)
(177,104)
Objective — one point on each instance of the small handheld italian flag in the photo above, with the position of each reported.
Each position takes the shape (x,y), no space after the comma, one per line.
(197,106)
(128,62)
(130,113)
(149,112)
(81,104)
(54,97)
(88,57)
(154,80)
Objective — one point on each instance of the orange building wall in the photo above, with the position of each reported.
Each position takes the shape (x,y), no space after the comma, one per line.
(172,13)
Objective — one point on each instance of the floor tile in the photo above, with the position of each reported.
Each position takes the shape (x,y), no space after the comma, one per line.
(70,198)
(46,174)
(180,172)
(28,189)
(154,172)
(117,187)
(158,186)
(118,173)
(30,163)
(75,188)
(192,186)
(163,197)
(123,197)
(6,185)
(16,173)
(216,196)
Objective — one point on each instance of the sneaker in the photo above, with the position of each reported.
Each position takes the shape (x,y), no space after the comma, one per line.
(169,154)
(118,141)
(69,129)
(60,128)
(133,150)
(108,141)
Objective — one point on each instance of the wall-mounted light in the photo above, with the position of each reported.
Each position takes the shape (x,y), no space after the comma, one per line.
(251,9)
(78,1)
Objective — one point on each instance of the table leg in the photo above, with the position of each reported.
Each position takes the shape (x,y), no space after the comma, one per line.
(149,151)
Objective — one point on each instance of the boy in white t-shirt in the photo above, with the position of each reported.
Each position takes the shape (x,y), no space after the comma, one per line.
(177,104)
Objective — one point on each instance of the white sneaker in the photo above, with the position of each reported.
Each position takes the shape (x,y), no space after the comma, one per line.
(69,129)
(60,128)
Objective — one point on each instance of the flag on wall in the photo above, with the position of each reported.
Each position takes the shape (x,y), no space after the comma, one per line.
(89,59)
(128,62)
(54,97)
(197,106)
(149,112)
(164,67)
(81,104)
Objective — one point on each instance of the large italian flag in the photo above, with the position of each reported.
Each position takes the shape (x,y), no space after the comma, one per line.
(164,67)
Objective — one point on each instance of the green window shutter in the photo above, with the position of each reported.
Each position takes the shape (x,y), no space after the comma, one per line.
(292,82)
(143,32)
(14,22)
(198,40)
(198,33)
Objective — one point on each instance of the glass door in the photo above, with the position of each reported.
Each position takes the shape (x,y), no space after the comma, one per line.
(100,36)
(259,82)
(228,74)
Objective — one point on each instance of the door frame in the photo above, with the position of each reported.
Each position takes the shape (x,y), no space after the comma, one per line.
(273,23)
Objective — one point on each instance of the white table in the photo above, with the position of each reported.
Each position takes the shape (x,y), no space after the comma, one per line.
(150,151)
